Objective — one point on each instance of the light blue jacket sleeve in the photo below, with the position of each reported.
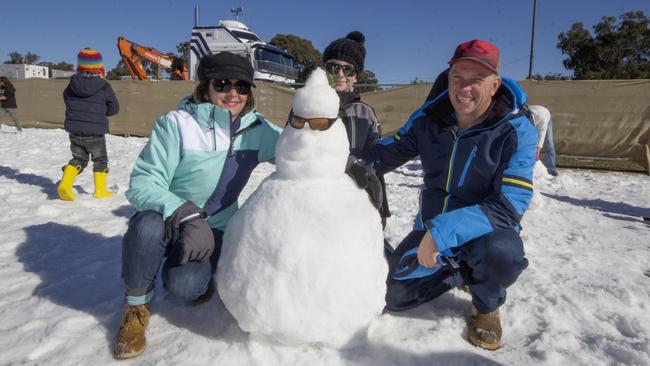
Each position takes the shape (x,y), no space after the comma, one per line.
(154,171)
(270,137)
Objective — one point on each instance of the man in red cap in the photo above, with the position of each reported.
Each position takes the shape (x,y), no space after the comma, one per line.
(477,148)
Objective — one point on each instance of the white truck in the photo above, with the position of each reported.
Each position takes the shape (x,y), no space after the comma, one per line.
(270,63)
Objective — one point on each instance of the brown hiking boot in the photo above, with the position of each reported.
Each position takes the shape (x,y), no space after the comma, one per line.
(485,329)
(130,340)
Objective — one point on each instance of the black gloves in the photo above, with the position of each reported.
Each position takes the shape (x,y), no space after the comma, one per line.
(195,237)
(366,179)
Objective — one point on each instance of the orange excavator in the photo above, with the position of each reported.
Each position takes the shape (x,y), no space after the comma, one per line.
(133,53)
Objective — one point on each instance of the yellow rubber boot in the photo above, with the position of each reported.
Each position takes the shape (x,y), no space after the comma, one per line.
(100,185)
(65,186)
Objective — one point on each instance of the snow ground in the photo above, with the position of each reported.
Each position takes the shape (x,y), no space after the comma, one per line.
(583,300)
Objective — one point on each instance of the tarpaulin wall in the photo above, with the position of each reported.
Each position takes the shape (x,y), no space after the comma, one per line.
(40,103)
(593,118)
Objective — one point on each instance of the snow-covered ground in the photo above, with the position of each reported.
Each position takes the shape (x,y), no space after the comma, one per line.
(584,300)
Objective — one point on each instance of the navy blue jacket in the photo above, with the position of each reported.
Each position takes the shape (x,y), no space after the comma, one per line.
(475,180)
(89,99)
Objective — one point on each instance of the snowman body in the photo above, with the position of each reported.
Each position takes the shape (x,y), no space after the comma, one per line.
(302,260)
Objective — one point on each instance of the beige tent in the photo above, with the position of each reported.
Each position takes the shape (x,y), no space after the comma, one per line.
(607,118)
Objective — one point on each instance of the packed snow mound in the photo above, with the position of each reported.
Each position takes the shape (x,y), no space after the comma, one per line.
(307,153)
(303,263)
(302,260)
(316,99)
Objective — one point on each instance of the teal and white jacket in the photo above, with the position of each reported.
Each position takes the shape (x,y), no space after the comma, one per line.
(196,154)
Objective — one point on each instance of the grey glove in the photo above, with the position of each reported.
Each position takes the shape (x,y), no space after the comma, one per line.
(365,179)
(195,237)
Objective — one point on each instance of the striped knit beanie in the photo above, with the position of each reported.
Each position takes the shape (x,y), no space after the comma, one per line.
(89,60)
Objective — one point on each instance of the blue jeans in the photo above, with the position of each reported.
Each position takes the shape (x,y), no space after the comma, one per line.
(488,265)
(144,248)
(12,113)
(549,149)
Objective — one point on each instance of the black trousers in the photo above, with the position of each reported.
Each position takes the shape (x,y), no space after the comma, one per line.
(85,148)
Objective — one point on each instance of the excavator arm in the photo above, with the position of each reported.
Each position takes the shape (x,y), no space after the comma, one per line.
(132,55)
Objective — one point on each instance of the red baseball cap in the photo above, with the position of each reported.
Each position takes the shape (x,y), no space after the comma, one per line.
(479,51)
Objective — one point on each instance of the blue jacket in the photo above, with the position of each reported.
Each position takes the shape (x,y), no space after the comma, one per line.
(89,99)
(475,180)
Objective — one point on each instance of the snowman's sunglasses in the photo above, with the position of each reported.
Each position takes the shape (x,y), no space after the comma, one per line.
(319,124)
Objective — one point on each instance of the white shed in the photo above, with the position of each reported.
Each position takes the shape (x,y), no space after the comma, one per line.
(24,71)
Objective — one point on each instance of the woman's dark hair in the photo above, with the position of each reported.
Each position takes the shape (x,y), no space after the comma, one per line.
(201,95)
(5,81)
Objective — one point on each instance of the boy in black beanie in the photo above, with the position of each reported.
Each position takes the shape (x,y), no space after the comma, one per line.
(344,60)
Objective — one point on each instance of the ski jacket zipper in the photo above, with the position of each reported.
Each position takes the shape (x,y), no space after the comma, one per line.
(234,136)
(467,164)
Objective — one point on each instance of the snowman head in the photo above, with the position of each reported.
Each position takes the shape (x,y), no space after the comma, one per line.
(309,152)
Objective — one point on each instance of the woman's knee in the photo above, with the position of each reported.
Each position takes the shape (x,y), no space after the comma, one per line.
(188,281)
(147,224)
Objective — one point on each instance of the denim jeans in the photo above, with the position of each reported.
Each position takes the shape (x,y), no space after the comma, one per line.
(144,249)
(488,266)
(12,113)
(84,148)
(549,148)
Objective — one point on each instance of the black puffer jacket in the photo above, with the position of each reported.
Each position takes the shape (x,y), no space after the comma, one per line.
(363,130)
(8,92)
(89,99)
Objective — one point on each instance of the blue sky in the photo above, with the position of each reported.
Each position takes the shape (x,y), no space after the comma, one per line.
(404,39)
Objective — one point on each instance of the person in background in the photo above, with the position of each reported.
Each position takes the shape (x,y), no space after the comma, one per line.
(549,150)
(544,124)
(477,149)
(89,100)
(184,186)
(8,102)
(344,60)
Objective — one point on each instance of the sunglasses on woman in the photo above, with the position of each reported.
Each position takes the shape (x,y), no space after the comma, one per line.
(225,86)
(318,124)
(334,68)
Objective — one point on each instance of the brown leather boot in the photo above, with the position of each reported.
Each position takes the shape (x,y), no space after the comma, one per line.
(485,329)
(130,340)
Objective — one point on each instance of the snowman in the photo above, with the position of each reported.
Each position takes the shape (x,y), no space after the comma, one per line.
(541,116)
(302,260)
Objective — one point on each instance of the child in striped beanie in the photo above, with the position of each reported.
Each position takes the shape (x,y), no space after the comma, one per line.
(89,100)
(89,60)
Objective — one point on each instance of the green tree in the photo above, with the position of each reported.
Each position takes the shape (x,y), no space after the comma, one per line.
(183,49)
(620,48)
(118,71)
(18,58)
(307,58)
(550,76)
(59,66)
(32,58)
(368,78)
(15,58)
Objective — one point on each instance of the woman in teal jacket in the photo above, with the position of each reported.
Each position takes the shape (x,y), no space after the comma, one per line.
(185,186)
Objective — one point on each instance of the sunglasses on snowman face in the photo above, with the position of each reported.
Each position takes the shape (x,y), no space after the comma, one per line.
(318,124)
(334,68)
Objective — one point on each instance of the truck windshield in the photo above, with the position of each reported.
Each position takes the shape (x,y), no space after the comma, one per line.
(273,62)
